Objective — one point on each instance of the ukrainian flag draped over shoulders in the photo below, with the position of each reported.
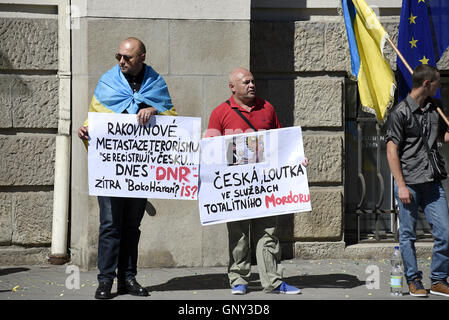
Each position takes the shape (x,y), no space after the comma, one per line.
(366,37)
(113,93)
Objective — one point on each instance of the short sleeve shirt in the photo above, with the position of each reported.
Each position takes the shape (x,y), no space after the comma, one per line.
(224,120)
(404,132)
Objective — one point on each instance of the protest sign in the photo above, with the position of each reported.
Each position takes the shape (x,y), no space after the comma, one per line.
(159,160)
(252,175)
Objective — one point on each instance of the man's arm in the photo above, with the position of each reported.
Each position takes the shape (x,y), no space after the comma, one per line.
(443,128)
(395,168)
(445,138)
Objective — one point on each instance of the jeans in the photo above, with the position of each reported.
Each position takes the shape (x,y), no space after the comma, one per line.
(118,237)
(431,197)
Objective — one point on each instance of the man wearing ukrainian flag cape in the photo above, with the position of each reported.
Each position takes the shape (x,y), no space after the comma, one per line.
(114,94)
(135,88)
(117,90)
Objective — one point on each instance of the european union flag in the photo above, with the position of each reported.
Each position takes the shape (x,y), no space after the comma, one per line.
(423,37)
(439,21)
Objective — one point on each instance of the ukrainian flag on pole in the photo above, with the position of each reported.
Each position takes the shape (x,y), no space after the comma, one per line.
(374,76)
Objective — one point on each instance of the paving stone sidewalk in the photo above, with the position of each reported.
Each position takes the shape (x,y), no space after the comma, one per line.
(318,279)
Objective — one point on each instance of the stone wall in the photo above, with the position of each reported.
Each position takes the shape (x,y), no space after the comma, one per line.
(300,57)
(305,83)
(28,125)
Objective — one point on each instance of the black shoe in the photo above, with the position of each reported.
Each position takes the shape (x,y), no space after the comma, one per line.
(104,291)
(132,287)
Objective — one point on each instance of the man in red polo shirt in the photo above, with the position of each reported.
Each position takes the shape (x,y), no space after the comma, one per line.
(227,119)
(259,112)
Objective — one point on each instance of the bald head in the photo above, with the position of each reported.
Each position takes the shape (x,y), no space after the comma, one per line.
(131,56)
(238,73)
(241,83)
(136,43)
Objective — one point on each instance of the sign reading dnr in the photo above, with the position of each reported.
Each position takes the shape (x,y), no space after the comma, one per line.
(158,160)
(252,175)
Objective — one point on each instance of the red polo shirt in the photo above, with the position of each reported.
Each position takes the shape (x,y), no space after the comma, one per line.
(224,120)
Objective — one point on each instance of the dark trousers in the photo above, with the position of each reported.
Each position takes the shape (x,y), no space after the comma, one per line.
(118,238)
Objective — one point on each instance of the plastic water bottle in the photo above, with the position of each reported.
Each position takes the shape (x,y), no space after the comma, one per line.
(396,274)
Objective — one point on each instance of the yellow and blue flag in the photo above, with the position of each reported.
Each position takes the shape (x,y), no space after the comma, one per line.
(113,93)
(366,37)
(423,37)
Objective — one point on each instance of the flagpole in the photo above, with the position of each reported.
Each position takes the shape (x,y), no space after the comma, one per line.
(400,55)
(411,72)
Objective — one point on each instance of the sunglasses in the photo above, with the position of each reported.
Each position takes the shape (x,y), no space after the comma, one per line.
(119,57)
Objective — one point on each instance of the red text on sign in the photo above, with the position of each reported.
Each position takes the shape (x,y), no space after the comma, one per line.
(291,198)
(177,173)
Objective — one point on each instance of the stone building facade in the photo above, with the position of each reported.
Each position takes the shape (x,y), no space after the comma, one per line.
(297,51)
(34,84)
